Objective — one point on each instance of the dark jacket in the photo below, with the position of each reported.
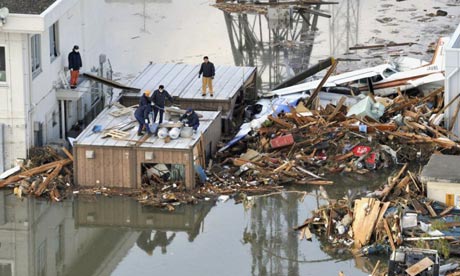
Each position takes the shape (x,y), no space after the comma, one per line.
(159,98)
(75,60)
(207,69)
(192,119)
(144,100)
(143,111)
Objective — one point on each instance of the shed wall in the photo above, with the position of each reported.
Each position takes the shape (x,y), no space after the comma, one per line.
(439,190)
(110,167)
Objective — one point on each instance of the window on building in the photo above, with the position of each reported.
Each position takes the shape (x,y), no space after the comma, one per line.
(54,45)
(35,48)
(2,64)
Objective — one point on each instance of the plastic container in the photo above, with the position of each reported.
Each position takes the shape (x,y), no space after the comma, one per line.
(186,132)
(174,133)
(162,133)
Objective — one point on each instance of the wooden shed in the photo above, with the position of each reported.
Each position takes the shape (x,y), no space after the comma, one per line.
(112,162)
(442,179)
(233,86)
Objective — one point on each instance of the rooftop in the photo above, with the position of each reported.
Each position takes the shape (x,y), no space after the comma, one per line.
(442,168)
(181,80)
(107,121)
(26,6)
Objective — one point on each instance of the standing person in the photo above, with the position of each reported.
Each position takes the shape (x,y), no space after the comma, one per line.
(74,65)
(190,118)
(142,117)
(158,100)
(208,71)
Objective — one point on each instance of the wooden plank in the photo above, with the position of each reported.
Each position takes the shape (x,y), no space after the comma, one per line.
(365,214)
(430,210)
(389,234)
(42,187)
(446,211)
(420,266)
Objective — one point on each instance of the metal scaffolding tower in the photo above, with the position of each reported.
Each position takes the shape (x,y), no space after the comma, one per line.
(344,26)
(278,40)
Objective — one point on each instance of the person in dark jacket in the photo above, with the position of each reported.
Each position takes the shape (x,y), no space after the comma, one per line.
(145,100)
(74,65)
(208,71)
(190,118)
(142,116)
(158,100)
(148,243)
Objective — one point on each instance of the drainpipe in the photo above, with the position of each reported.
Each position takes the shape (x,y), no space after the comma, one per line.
(28,92)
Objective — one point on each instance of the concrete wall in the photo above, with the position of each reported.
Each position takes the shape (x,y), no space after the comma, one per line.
(438,191)
(13,94)
(452,82)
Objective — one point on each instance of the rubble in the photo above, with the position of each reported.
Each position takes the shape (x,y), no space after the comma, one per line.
(46,174)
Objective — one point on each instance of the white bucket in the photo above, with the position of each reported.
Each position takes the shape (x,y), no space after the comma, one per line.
(162,133)
(186,132)
(174,133)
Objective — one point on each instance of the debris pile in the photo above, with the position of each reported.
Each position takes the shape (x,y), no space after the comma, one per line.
(302,146)
(398,214)
(45,174)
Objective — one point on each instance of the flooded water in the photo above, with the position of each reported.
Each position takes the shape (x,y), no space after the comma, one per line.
(117,236)
(163,31)
(104,236)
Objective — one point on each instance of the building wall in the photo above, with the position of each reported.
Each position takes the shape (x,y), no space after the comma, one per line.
(439,190)
(109,167)
(452,81)
(13,94)
(30,101)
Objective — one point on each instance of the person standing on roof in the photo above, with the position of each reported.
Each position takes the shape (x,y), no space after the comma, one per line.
(145,100)
(190,119)
(158,101)
(142,117)
(208,71)
(74,65)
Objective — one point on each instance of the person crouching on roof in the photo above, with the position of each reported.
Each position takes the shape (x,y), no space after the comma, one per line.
(190,119)
(144,100)
(142,116)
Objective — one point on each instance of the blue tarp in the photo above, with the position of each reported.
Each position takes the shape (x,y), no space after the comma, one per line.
(278,104)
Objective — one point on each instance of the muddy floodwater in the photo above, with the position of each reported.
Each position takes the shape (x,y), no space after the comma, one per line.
(117,236)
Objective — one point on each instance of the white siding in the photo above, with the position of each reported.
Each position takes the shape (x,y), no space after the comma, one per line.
(19,109)
(452,82)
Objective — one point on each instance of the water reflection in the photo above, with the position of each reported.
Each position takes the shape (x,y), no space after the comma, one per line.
(85,237)
(274,251)
(118,236)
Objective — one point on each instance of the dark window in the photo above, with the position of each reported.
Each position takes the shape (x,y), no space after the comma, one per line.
(54,45)
(35,49)
(2,64)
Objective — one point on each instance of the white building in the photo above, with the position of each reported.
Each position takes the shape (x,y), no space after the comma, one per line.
(35,40)
(452,82)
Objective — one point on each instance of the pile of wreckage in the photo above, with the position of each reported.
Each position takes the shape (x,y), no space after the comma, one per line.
(300,145)
(47,173)
(398,214)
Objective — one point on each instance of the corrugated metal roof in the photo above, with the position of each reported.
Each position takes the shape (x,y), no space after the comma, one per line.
(181,80)
(107,121)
